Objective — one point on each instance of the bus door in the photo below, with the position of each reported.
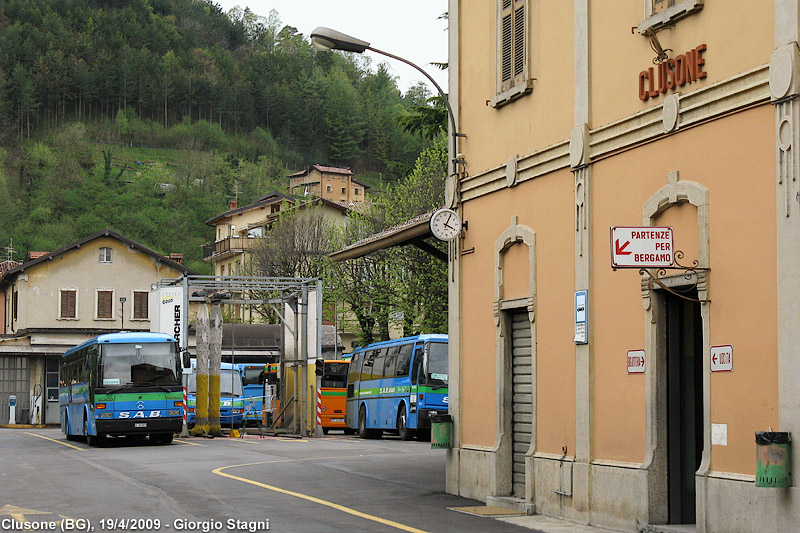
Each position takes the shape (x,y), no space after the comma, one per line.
(353,390)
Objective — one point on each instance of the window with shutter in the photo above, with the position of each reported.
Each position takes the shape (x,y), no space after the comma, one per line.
(661,14)
(513,79)
(140,305)
(68,304)
(105,304)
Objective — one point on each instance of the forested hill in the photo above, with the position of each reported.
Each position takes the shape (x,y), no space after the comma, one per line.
(104,99)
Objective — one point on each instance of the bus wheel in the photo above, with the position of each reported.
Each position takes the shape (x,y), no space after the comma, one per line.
(70,436)
(91,440)
(349,431)
(363,432)
(165,438)
(402,428)
(325,431)
(362,423)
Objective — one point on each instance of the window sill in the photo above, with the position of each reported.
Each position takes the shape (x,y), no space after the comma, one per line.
(669,16)
(509,95)
(104,319)
(67,318)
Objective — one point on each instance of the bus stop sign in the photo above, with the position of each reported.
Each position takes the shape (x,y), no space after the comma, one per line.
(642,247)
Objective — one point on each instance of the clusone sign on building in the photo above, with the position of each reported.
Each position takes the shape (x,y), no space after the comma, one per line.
(672,73)
(170,311)
(642,247)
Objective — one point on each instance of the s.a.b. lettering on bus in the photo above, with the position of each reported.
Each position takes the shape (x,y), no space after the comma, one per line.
(140,414)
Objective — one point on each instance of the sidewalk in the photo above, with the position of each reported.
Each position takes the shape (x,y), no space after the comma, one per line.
(546,524)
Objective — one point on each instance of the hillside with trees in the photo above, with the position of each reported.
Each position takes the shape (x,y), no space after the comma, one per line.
(148,116)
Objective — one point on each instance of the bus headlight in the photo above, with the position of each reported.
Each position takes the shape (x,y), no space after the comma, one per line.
(237,411)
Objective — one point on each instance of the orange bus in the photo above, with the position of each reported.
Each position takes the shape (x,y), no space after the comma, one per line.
(333,391)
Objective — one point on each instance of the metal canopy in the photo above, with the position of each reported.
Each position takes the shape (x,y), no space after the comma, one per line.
(413,232)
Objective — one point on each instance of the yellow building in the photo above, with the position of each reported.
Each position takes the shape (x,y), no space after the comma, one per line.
(627,405)
(54,301)
(336,184)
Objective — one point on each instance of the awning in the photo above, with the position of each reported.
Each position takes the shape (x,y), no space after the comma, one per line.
(413,232)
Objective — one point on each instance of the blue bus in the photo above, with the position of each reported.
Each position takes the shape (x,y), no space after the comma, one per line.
(397,385)
(121,384)
(231,401)
(254,376)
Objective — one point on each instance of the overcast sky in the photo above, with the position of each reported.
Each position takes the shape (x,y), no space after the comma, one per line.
(409,29)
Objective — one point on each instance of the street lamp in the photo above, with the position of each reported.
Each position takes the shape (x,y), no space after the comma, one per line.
(326,39)
(122,315)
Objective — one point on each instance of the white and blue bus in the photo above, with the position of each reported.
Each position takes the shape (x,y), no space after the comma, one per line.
(231,396)
(397,385)
(121,384)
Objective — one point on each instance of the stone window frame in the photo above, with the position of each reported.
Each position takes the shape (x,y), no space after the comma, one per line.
(515,233)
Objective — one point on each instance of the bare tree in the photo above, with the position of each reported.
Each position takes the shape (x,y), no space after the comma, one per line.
(296,245)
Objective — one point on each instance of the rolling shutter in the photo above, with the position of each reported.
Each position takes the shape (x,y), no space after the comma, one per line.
(522,402)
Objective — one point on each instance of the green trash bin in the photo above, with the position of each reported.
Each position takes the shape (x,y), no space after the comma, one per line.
(441,428)
(773,459)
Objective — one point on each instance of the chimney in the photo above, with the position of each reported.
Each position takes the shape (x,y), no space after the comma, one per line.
(233,204)
(30,256)
(178,258)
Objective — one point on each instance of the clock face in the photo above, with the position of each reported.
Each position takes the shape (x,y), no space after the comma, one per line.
(445,224)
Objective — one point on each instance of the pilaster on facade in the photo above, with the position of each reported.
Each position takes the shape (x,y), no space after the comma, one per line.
(784,84)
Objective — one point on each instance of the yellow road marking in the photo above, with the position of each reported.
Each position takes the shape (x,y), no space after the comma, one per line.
(186,442)
(219,472)
(56,441)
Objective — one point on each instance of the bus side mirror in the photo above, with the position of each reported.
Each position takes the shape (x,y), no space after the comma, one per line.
(187,362)
(320,367)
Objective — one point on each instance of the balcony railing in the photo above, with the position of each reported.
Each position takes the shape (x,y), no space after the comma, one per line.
(227,246)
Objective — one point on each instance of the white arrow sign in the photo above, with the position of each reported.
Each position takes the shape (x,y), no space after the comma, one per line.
(642,247)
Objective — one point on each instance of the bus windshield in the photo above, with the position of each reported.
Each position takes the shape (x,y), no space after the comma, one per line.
(230,383)
(335,375)
(437,363)
(144,363)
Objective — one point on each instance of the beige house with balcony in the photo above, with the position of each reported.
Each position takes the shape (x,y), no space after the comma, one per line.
(335,184)
(237,232)
(60,299)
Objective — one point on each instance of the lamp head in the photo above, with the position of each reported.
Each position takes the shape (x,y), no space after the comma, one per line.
(326,39)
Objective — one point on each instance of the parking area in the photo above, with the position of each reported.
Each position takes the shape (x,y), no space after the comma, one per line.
(336,483)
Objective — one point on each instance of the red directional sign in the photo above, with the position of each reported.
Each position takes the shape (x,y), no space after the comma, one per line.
(642,247)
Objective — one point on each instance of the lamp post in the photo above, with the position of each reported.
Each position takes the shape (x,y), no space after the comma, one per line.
(122,316)
(326,39)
